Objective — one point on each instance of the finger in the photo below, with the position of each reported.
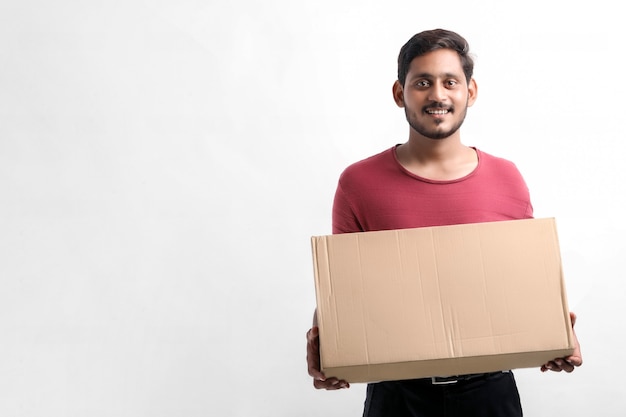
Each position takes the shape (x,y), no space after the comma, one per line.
(312,334)
(551,366)
(328,385)
(574,360)
(572,317)
(564,365)
(331,384)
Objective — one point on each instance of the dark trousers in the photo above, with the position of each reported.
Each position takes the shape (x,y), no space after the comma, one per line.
(492,395)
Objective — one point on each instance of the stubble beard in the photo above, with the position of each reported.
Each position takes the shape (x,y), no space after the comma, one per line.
(433,133)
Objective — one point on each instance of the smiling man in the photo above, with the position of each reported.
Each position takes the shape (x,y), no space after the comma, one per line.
(432,179)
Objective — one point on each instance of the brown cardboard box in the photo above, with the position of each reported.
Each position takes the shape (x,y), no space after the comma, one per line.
(439,301)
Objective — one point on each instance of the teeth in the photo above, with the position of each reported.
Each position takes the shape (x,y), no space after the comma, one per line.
(437,111)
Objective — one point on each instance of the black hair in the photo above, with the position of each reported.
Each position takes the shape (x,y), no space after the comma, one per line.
(432,40)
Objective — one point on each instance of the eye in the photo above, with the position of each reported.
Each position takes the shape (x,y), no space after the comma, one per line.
(452,83)
(422,84)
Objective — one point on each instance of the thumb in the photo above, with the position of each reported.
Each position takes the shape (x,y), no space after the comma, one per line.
(313,333)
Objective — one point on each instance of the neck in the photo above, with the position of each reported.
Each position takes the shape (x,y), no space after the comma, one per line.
(424,149)
(438,159)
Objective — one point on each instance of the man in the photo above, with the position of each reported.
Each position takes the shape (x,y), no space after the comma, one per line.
(432,180)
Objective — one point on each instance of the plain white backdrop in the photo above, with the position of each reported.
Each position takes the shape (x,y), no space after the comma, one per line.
(164,163)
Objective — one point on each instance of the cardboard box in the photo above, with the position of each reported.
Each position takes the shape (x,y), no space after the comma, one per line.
(440,301)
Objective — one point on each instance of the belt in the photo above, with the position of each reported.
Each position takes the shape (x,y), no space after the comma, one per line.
(444,380)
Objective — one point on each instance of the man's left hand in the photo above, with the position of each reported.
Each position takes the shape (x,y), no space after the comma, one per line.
(569,363)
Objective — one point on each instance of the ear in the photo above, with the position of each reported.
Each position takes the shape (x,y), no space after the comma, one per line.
(398,94)
(472,92)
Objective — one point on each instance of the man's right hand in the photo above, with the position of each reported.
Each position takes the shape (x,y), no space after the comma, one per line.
(313,360)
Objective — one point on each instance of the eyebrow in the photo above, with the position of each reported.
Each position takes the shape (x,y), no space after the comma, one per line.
(429,75)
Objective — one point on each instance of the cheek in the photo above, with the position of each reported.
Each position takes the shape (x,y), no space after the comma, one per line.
(412,104)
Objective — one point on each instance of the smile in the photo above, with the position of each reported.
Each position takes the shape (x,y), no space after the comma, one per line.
(439,111)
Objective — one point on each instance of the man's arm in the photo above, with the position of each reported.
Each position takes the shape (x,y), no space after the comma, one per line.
(313,360)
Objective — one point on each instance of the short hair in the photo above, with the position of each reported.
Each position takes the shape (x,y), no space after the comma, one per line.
(432,40)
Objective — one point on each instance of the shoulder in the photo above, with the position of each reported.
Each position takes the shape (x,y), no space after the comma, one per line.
(491,162)
(500,173)
(493,158)
(371,166)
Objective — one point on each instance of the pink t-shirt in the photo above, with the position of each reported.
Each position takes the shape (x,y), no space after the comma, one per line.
(377,193)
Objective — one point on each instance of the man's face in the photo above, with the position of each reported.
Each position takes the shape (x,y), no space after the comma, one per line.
(436,94)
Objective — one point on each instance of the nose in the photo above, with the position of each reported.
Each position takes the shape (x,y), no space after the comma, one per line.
(437,92)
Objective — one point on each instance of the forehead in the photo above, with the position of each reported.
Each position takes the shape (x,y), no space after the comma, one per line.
(436,63)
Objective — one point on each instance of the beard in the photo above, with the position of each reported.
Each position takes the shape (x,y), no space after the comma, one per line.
(430,132)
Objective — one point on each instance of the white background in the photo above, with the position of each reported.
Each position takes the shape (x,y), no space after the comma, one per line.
(164,163)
